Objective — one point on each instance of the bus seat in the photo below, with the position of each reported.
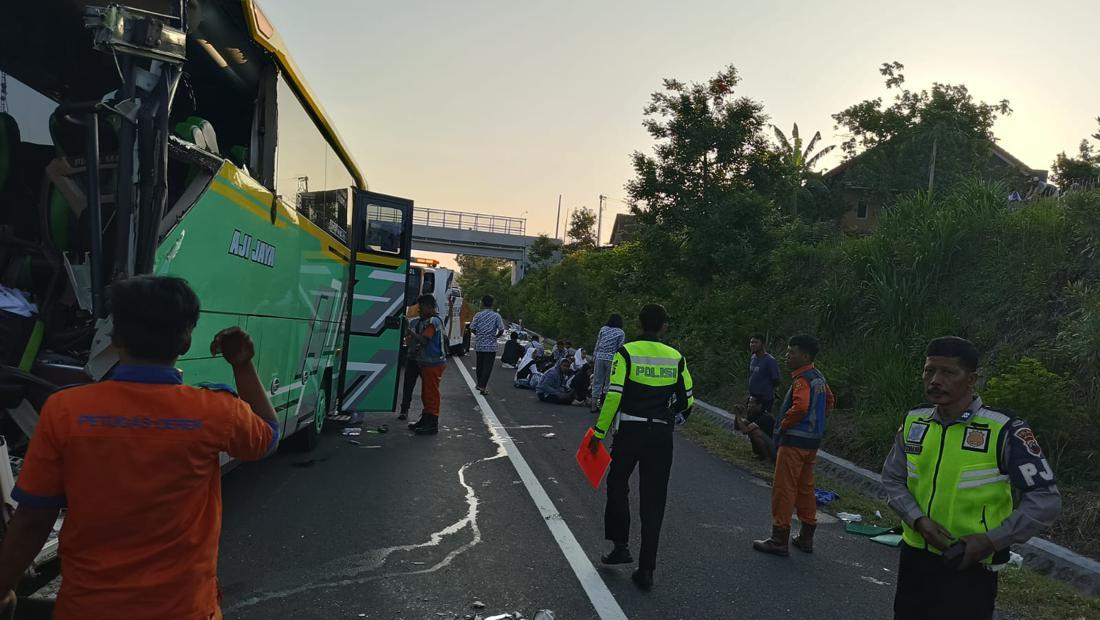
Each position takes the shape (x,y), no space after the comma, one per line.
(199,132)
(239,156)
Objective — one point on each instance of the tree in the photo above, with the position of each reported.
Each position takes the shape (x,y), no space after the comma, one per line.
(699,197)
(1080,171)
(543,252)
(922,140)
(799,181)
(582,230)
(479,276)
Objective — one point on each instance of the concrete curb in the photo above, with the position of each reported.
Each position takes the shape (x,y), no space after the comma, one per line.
(1039,554)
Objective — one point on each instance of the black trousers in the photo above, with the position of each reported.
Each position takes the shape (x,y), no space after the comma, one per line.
(485,361)
(648,446)
(408,384)
(928,590)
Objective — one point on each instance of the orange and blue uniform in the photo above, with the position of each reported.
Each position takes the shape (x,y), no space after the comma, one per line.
(798,435)
(135,460)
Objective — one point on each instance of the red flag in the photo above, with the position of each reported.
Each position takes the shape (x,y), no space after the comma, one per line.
(595,465)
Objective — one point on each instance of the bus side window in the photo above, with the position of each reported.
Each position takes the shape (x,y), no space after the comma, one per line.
(308,170)
(383,234)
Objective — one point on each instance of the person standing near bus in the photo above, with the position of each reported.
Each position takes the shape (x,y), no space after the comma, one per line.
(431,360)
(486,327)
(146,544)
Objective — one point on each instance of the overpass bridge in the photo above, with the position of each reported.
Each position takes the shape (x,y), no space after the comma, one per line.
(476,234)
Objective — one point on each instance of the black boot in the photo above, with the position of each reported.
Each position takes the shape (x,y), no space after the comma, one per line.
(428,425)
(643,578)
(404,415)
(415,425)
(777,544)
(619,555)
(805,539)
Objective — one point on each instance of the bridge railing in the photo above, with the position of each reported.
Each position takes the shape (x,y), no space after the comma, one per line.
(479,222)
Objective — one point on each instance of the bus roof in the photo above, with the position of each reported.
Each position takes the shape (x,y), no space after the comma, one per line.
(265,35)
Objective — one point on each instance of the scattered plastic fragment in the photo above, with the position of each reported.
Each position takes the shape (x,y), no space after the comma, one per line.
(352,431)
(824,497)
(874,581)
(890,540)
(544,614)
(866,530)
(878,514)
(1015,560)
(353,442)
(549,435)
(477,605)
(501,617)
(850,517)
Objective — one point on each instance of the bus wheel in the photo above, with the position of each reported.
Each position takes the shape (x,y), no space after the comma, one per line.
(310,436)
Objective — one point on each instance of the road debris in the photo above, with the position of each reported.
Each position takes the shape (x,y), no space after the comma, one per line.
(477,605)
(352,431)
(353,442)
(874,581)
(850,517)
(824,497)
(544,614)
(309,462)
(549,435)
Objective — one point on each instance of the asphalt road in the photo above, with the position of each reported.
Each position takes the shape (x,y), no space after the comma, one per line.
(416,527)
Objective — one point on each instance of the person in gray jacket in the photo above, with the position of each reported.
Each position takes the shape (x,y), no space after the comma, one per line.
(951,475)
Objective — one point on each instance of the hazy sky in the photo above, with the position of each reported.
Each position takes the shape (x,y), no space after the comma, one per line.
(499,106)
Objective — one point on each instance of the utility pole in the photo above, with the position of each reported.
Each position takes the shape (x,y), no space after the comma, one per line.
(565,231)
(557,222)
(599,221)
(932,165)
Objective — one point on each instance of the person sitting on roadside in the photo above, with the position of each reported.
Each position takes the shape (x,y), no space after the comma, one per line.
(527,370)
(751,419)
(581,385)
(554,387)
(559,351)
(513,350)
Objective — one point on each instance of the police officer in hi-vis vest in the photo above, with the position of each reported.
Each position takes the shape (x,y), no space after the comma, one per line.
(650,391)
(951,476)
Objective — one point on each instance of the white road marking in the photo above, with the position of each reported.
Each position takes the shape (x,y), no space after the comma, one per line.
(600,596)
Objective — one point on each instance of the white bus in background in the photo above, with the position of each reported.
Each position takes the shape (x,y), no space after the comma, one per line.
(426,276)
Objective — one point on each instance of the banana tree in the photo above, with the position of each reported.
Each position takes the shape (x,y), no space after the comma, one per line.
(798,164)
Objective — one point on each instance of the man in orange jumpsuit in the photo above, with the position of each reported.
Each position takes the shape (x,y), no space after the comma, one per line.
(797,436)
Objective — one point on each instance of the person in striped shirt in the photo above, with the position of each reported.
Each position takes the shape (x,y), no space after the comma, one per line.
(608,341)
(486,327)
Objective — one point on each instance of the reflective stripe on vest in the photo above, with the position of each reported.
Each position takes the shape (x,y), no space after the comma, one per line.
(954,474)
(654,369)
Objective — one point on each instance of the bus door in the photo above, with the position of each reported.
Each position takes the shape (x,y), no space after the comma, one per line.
(380,243)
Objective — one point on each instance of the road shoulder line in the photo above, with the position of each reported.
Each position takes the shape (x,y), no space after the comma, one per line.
(598,593)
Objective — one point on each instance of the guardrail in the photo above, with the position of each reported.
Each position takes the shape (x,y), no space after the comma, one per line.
(479,222)
(1039,554)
